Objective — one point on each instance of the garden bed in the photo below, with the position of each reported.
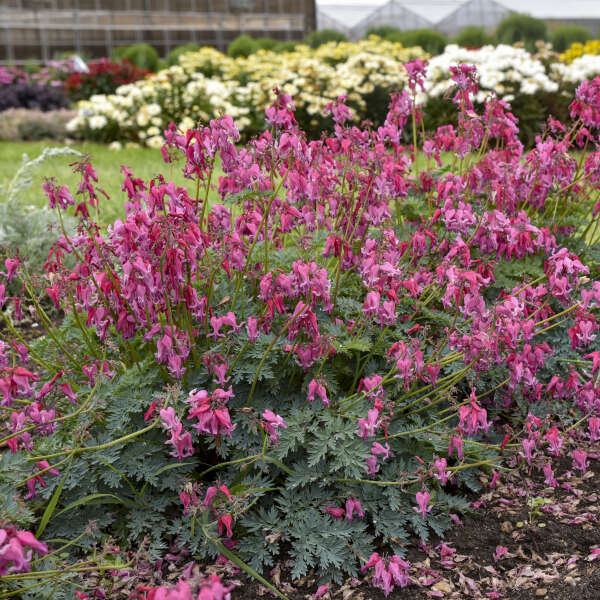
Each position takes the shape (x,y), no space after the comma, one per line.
(548,555)
(339,355)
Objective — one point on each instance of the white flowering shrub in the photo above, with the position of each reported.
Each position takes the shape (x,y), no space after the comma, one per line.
(582,68)
(140,112)
(207,84)
(503,70)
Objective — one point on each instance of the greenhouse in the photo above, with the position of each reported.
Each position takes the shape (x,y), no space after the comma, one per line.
(395,14)
(449,16)
(482,13)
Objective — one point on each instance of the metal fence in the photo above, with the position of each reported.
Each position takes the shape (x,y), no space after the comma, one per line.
(43,29)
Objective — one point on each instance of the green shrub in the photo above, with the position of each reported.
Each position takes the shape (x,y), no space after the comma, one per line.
(284,47)
(318,38)
(173,56)
(35,130)
(521,28)
(266,43)
(118,52)
(243,45)
(565,35)
(473,37)
(384,31)
(391,34)
(143,56)
(431,41)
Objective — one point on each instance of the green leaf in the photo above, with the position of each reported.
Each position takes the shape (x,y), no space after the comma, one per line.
(106,499)
(247,568)
(361,344)
(53,502)
(279,464)
(162,470)
(234,198)
(122,475)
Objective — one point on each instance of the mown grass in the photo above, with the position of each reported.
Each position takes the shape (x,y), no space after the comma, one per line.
(144,162)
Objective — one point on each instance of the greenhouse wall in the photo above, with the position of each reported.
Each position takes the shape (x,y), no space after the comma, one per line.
(450,16)
(43,29)
(392,14)
(324,21)
(483,13)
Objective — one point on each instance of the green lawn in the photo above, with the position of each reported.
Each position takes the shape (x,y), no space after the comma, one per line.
(144,162)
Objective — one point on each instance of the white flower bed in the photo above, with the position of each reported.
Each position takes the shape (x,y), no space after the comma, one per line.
(582,68)
(503,70)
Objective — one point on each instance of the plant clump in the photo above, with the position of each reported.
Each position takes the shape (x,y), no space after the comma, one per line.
(319,364)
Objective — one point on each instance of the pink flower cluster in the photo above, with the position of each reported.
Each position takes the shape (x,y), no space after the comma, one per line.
(387,576)
(16,547)
(352,506)
(211,411)
(180,440)
(210,589)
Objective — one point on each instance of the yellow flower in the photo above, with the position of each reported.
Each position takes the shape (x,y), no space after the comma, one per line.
(578,49)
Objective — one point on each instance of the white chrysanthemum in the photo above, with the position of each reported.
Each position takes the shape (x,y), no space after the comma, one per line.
(505,70)
(153,109)
(75,124)
(186,123)
(97,122)
(582,68)
(155,141)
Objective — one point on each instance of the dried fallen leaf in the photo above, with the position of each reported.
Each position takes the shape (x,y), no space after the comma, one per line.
(506,527)
(444,586)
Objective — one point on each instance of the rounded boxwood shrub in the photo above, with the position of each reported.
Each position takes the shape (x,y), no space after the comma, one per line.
(473,37)
(284,47)
(384,31)
(521,28)
(565,35)
(266,43)
(243,45)
(142,56)
(431,41)
(318,38)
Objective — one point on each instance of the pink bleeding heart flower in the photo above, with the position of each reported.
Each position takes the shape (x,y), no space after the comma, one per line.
(271,423)
(423,506)
(441,473)
(580,460)
(352,506)
(500,553)
(594,554)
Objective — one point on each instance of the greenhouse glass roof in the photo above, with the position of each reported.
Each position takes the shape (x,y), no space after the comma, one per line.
(352,12)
